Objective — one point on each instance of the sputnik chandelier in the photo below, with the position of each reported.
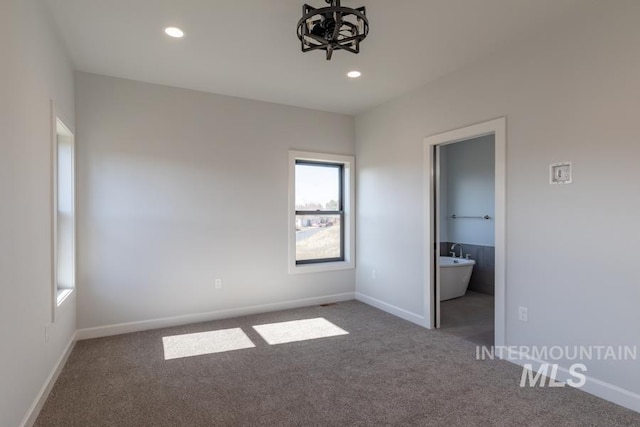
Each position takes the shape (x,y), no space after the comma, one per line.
(332,28)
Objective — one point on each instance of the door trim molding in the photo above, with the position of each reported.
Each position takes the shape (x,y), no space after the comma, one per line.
(498,128)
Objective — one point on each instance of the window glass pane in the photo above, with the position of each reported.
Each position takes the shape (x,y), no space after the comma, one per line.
(65,250)
(317,237)
(317,187)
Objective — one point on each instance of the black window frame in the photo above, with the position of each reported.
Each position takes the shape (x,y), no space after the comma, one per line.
(339,212)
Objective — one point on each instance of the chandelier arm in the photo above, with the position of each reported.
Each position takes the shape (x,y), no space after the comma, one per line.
(338,24)
(347,40)
(322,40)
(347,48)
(313,47)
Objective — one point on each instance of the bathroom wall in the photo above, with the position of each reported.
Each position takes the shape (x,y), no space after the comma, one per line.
(468,189)
(443,194)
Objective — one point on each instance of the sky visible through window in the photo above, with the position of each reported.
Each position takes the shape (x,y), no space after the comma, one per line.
(317,187)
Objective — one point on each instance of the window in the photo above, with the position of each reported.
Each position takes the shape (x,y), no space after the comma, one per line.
(63,213)
(321,212)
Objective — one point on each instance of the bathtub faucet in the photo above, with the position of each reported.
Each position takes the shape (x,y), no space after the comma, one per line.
(453,249)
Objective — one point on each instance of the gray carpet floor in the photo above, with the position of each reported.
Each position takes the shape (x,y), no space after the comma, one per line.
(386,371)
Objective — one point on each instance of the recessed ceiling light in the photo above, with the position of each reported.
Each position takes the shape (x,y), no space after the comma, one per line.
(174,32)
(354,74)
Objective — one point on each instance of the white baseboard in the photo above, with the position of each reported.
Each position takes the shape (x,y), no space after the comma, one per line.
(41,398)
(124,328)
(391,309)
(593,386)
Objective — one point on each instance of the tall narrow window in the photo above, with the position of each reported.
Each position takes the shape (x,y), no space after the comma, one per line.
(321,215)
(319,212)
(64,212)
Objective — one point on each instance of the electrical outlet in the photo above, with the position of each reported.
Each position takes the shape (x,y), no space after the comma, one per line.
(218,283)
(523,314)
(374,274)
(46,333)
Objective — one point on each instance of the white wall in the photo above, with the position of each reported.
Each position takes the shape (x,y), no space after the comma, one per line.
(470,188)
(570,93)
(177,188)
(443,187)
(34,70)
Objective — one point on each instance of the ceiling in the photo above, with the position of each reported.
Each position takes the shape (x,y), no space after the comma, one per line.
(249,48)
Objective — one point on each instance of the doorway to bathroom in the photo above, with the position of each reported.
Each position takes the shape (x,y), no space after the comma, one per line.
(466,265)
(465,228)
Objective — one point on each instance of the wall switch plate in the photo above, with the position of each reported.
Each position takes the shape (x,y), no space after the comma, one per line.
(218,283)
(46,333)
(523,314)
(374,274)
(560,173)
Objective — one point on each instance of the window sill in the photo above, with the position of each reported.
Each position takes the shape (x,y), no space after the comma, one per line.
(62,295)
(321,267)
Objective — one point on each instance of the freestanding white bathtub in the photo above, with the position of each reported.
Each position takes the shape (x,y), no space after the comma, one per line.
(454,276)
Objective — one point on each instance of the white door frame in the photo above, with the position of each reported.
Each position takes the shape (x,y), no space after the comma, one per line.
(498,128)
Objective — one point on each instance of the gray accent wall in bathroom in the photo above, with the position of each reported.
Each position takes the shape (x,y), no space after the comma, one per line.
(483,276)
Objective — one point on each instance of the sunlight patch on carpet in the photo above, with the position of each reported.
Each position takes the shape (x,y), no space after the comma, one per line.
(200,343)
(298,330)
